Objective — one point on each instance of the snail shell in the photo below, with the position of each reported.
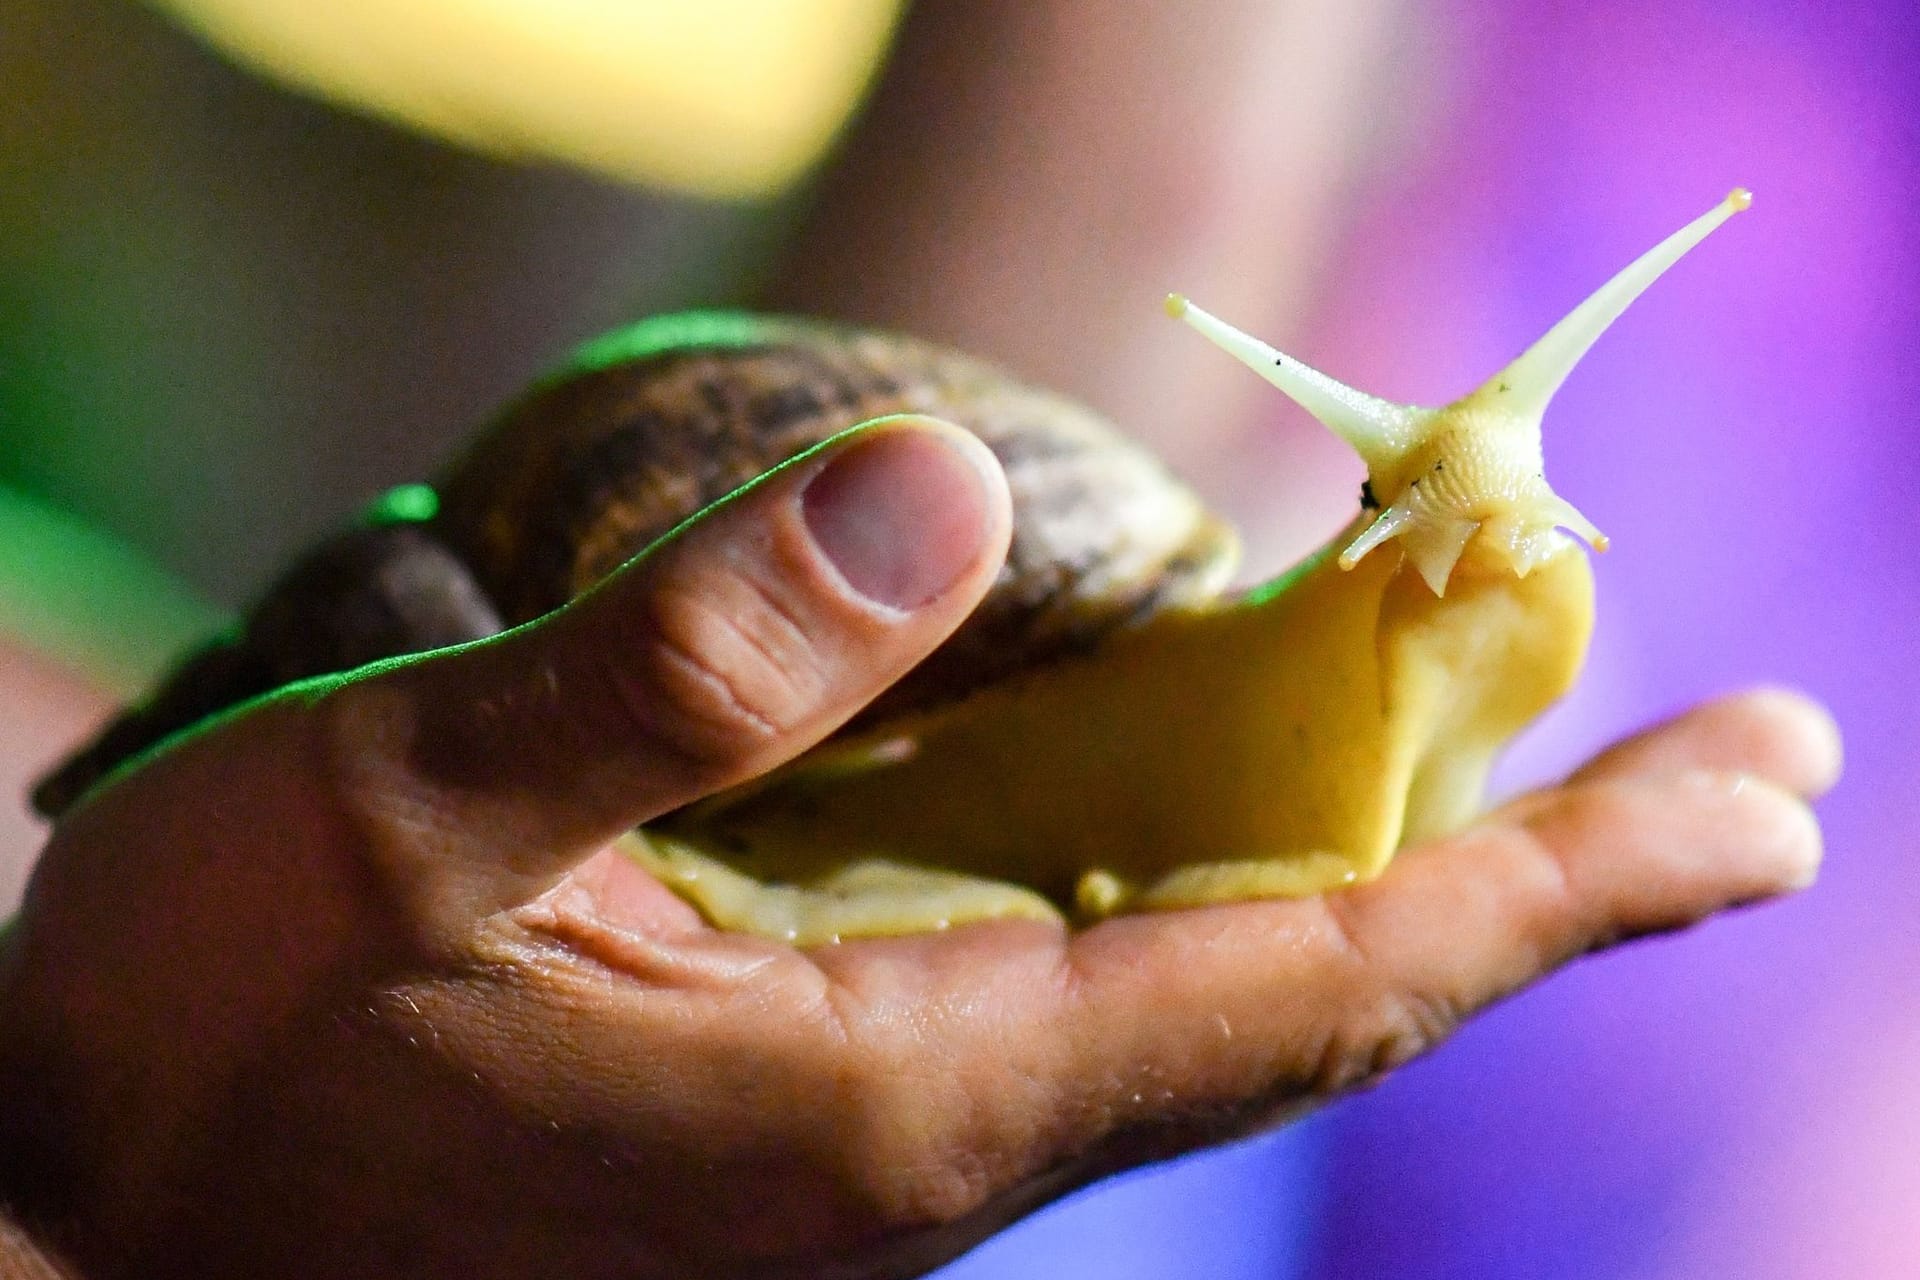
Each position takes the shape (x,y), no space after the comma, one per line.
(650,425)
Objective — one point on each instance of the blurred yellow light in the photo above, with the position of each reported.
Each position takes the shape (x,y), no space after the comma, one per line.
(713,97)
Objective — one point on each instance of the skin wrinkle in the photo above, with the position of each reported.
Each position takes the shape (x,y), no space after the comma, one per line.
(898,1135)
(1055,1120)
(669,624)
(793,641)
(1114,1150)
(689,772)
(994,1101)
(716,959)
(948,1172)
(1085,1112)
(682,692)
(1580,931)
(1389,1031)
(681,622)
(630,955)
(1323,1070)
(797,684)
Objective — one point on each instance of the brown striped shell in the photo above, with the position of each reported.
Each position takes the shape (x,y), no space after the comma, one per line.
(588,470)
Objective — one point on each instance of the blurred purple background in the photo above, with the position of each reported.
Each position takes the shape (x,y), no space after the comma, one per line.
(1744,1100)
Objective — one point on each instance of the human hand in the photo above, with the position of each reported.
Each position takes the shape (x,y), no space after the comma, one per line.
(350,982)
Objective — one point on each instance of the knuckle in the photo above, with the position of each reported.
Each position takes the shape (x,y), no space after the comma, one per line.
(718,675)
(1385,1021)
(1415,1022)
(909,1160)
(1369,1044)
(908,1141)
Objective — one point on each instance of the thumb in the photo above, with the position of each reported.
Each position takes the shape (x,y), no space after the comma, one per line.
(731,646)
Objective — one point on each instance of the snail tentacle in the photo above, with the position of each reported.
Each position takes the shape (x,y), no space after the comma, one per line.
(1465,483)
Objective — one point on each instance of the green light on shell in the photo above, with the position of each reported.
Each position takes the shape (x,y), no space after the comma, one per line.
(405,504)
(680,331)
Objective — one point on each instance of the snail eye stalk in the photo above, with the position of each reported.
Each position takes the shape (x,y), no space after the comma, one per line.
(1529,382)
(1376,429)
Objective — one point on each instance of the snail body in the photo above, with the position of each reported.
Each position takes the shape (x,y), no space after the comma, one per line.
(1238,750)
(1110,731)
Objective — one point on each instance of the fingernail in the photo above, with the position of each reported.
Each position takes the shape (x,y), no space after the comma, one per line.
(900,513)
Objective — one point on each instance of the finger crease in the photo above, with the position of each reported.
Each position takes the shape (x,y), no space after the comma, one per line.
(728,701)
(783,614)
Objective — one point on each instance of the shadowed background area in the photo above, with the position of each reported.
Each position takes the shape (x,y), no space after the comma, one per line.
(229,317)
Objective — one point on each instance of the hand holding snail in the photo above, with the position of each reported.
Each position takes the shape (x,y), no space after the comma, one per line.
(352,982)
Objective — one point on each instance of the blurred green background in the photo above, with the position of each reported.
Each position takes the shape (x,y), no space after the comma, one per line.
(228,314)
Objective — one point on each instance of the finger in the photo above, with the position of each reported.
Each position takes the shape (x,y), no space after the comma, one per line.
(1775,734)
(728,648)
(1277,1000)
